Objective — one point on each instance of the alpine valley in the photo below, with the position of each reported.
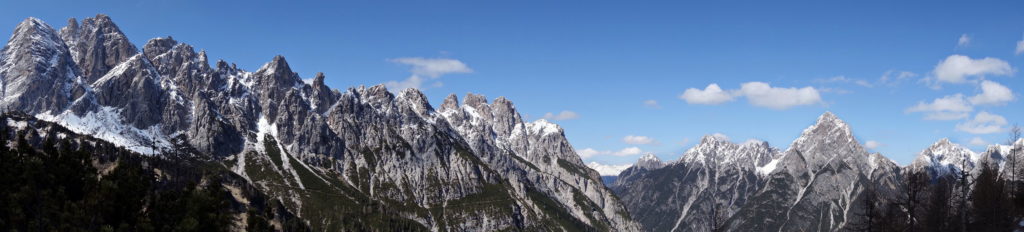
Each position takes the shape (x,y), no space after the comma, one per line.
(100,134)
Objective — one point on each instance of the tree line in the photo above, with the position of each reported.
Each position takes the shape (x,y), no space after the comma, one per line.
(988,198)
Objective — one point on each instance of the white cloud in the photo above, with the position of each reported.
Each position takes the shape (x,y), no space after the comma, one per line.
(608,170)
(711,95)
(638,140)
(956,68)
(764,95)
(628,151)
(871,144)
(983,123)
(977,141)
(564,115)
(950,107)
(992,93)
(652,104)
(431,68)
(1020,47)
(757,93)
(590,152)
(963,41)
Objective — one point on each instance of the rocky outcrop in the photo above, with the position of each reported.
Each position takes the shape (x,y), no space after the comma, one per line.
(97,45)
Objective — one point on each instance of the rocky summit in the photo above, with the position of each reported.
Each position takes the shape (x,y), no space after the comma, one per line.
(365,157)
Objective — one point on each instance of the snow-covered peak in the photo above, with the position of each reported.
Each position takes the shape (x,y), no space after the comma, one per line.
(718,150)
(649,162)
(828,126)
(30,24)
(34,34)
(543,127)
(714,138)
(608,170)
(945,157)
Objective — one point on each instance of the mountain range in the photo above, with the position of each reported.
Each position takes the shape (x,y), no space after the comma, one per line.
(281,153)
(325,154)
(819,183)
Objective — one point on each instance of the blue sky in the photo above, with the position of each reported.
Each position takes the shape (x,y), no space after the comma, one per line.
(605,61)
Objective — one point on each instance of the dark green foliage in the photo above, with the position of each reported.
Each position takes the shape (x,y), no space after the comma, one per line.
(557,215)
(80,184)
(989,202)
(568,166)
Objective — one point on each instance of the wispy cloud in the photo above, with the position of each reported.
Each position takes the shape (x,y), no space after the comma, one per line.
(759,94)
(963,41)
(639,140)
(844,79)
(950,107)
(1020,47)
(424,69)
(564,115)
(652,104)
(893,78)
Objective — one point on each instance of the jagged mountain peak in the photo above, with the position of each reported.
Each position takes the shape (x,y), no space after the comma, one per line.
(450,102)
(97,45)
(32,27)
(415,99)
(945,157)
(37,69)
(755,143)
(716,149)
(318,79)
(277,75)
(649,161)
(474,100)
(502,102)
(828,128)
(159,45)
(276,65)
(828,119)
(714,139)
(944,149)
(32,22)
